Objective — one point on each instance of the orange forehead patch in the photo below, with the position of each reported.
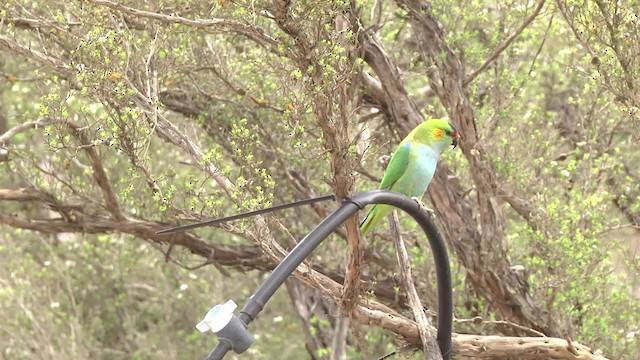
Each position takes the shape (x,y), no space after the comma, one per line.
(437,134)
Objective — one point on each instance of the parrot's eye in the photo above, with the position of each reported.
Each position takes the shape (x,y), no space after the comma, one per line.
(448,132)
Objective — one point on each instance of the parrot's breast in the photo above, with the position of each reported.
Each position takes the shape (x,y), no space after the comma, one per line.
(420,169)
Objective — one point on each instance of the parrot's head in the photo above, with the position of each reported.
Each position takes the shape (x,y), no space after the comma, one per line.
(439,133)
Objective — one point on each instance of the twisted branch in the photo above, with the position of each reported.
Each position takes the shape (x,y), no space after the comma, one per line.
(251,32)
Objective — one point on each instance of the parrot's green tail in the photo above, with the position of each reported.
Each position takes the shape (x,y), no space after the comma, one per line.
(374,217)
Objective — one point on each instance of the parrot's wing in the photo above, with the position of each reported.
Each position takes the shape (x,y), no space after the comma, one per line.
(397,166)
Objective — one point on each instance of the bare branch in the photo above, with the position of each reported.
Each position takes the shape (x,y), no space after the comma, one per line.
(505,44)
(501,347)
(478,346)
(170,133)
(110,197)
(309,304)
(46,60)
(501,324)
(339,342)
(335,128)
(392,94)
(371,312)
(26,194)
(36,23)
(429,344)
(354,268)
(4,138)
(240,257)
(252,32)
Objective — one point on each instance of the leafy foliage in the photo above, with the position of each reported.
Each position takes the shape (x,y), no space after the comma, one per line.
(144,114)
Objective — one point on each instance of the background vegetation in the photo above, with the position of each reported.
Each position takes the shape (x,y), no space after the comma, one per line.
(120,119)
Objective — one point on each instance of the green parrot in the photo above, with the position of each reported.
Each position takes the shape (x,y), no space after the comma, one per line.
(412,165)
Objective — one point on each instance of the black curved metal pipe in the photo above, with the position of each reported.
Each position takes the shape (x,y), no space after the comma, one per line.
(350,206)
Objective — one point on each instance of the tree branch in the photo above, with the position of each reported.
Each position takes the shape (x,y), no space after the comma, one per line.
(478,238)
(505,44)
(27,23)
(500,326)
(398,104)
(339,341)
(239,257)
(334,125)
(46,60)
(484,347)
(4,138)
(309,303)
(26,194)
(251,32)
(170,133)
(110,197)
(429,344)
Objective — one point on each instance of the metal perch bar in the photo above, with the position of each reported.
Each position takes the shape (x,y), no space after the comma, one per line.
(349,207)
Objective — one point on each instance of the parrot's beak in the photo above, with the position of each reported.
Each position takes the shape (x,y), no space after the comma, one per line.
(456,139)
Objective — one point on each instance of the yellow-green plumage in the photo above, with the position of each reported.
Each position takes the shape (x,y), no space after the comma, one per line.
(412,165)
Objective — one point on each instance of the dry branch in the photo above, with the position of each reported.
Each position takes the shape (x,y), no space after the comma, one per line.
(429,344)
(4,138)
(479,346)
(99,175)
(27,23)
(353,272)
(309,304)
(494,55)
(492,347)
(239,257)
(252,32)
(26,194)
(46,60)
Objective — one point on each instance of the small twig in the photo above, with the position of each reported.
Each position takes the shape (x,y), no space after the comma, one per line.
(570,347)
(398,351)
(429,345)
(387,356)
(363,171)
(480,321)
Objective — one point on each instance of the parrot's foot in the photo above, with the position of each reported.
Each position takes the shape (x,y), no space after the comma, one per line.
(432,214)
